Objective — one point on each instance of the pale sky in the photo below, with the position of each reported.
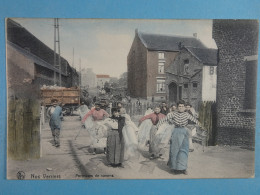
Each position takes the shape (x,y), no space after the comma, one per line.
(103,44)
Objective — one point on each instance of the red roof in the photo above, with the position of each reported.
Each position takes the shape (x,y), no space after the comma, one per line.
(102,76)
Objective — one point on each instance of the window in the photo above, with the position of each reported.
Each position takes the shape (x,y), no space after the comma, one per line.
(160,55)
(161,68)
(186,61)
(211,70)
(186,86)
(186,66)
(250,85)
(160,86)
(195,85)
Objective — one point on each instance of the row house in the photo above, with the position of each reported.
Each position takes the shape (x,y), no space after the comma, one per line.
(149,56)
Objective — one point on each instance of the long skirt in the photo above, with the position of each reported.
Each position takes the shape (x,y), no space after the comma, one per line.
(130,139)
(162,138)
(179,149)
(89,123)
(152,146)
(115,148)
(144,132)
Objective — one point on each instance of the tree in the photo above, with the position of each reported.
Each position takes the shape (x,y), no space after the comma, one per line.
(123,80)
(107,87)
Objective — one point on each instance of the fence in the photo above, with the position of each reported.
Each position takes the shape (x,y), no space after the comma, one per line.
(208,118)
(23,129)
(137,109)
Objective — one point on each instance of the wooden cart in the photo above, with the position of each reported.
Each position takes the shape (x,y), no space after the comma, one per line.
(68,97)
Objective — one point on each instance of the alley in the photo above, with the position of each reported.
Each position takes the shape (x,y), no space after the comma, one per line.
(74,160)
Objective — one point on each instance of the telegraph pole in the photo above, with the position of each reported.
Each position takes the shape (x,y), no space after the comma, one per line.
(73,58)
(54,62)
(80,72)
(57,43)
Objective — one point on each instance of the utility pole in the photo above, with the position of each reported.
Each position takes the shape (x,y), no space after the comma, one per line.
(80,72)
(57,42)
(73,58)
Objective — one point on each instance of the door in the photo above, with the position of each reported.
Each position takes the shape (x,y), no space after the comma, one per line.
(173,92)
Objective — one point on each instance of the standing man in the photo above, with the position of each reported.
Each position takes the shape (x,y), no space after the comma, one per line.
(155,117)
(55,114)
(164,108)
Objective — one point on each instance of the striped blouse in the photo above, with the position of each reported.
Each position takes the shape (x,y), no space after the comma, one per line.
(179,119)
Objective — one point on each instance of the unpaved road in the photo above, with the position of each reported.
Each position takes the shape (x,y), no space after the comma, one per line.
(74,160)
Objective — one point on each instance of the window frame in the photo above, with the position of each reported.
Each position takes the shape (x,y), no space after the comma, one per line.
(161,65)
(160,84)
(211,70)
(161,55)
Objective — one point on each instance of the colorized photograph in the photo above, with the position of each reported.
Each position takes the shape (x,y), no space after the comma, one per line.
(130,98)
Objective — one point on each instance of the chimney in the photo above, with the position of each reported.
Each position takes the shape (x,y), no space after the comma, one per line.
(195,35)
(136,31)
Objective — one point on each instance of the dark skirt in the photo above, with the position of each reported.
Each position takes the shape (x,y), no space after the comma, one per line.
(115,148)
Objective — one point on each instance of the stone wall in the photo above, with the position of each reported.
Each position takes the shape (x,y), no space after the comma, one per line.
(235,40)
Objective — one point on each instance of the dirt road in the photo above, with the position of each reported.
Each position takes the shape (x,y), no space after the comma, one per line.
(74,160)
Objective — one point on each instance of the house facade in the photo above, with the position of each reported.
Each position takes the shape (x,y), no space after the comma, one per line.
(149,56)
(192,76)
(237,42)
(101,79)
(88,78)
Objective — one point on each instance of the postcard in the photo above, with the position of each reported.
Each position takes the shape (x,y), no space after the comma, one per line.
(130,98)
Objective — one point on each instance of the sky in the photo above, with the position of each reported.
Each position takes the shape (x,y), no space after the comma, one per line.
(103,44)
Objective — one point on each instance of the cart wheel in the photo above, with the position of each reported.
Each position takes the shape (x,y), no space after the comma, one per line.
(67,111)
(71,111)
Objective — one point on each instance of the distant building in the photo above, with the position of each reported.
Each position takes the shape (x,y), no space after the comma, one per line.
(88,78)
(192,76)
(237,42)
(101,79)
(30,61)
(149,56)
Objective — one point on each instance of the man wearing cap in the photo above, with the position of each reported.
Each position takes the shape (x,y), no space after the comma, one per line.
(55,113)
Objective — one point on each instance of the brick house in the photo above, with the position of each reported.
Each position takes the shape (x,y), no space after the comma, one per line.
(30,61)
(149,56)
(192,76)
(237,42)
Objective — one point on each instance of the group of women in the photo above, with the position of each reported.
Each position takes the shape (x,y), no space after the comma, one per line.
(121,138)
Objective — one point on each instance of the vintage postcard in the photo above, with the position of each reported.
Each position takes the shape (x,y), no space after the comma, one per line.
(130,99)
